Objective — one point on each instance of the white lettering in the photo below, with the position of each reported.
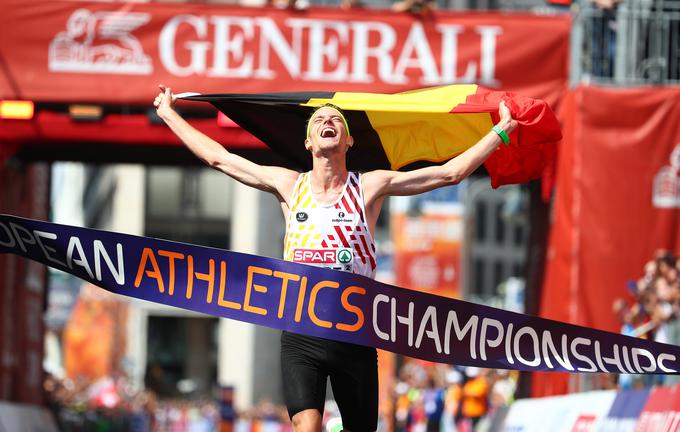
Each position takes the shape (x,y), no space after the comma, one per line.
(488,52)
(449,56)
(361,52)
(75,245)
(574,344)
(230,45)
(380,298)
(636,353)
(663,357)
(470,327)
(430,317)
(408,322)
(39,235)
(198,50)
(320,50)
(534,344)
(289,55)
(10,243)
(22,240)
(486,322)
(549,350)
(117,273)
(416,43)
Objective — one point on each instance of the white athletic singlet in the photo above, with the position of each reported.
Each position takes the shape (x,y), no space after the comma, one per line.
(335,235)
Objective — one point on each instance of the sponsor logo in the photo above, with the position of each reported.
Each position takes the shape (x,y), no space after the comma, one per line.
(345,256)
(100,42)
(301,216)
(666,187)
(342,218)
(315,256)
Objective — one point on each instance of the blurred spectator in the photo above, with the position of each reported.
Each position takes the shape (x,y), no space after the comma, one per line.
(350,4)
(289,4)
(604,37)
(415,6)
(452,400)
(504,384)
(475,402)
(439,397)
(651,310)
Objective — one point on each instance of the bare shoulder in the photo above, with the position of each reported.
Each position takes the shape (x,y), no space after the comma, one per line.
(374,183)
(283,174)
(283,180)
(376,177)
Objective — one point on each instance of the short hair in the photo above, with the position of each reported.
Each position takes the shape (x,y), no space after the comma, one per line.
(326,105)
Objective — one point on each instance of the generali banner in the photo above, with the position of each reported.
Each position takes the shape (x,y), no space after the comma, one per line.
(64,51)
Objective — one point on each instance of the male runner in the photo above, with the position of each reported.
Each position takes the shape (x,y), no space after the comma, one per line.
(334,210)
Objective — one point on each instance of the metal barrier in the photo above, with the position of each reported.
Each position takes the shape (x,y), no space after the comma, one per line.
(634,42)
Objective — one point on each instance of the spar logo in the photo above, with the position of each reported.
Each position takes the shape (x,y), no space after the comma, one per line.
(100,42)
(323,256)
(666,188)
(315,256)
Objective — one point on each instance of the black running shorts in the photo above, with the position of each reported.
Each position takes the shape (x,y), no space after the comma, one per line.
(306,363)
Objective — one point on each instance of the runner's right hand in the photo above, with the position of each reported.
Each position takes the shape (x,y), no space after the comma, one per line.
(165,101)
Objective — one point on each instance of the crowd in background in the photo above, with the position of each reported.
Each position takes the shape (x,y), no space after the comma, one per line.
(434,397)
(427,397)
(113,405)
(410,6)
(651,308)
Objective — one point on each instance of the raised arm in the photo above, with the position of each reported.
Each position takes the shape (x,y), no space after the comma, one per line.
(382,183)
(277,180)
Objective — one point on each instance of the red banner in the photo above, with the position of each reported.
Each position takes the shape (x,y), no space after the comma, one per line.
(65,51)
(661,413)
(617,202)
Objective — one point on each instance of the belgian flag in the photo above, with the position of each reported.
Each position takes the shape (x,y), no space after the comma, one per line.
(406,130)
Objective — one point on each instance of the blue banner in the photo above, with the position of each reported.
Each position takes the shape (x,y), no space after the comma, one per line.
(329,304)
(625,411)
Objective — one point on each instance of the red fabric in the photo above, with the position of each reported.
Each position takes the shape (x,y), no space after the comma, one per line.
(533,144)
(606,225)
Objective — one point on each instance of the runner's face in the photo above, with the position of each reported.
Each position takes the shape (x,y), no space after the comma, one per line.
(328,131)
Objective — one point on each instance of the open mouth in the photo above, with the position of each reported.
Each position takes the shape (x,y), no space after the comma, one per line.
(328,133)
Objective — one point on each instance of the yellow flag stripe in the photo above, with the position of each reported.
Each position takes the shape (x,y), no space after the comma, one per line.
(432,100)
(411,137)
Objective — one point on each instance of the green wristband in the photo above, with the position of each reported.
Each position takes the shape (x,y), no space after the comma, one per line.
(501,133)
